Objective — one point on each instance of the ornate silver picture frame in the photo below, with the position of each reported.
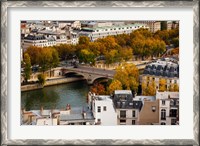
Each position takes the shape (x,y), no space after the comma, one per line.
(6,5)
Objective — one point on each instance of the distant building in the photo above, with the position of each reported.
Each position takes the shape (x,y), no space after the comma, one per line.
(100,32)
(172,25)
(38,40)
(167,69)
(153,25)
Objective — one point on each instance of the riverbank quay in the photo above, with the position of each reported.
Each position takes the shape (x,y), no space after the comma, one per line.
(50,82)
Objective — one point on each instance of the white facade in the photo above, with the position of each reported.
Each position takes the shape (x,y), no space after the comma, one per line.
(103,109)
(131,116)
(101,32)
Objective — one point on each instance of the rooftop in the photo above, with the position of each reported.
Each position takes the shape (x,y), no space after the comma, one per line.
(122,92)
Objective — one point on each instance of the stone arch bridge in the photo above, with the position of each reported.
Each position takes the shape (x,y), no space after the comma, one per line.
(89,73)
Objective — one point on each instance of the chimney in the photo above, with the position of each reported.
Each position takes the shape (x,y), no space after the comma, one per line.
(41,110)
(84,115)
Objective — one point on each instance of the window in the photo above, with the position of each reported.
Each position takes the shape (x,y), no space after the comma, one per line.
(163,123)
(99,109)
(133,113)
(173,121)
(98,120)
(153,108)
(104,108)
(122,114)
(163,114)
(163,102)
(122,122)
(133,122)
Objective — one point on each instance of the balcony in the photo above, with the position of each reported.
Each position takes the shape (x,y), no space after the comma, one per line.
(163,118)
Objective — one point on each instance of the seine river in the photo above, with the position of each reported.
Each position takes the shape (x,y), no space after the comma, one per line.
(56,97)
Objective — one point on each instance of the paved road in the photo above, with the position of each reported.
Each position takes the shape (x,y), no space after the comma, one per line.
(93,70)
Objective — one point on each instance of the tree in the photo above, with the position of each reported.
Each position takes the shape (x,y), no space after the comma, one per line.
(162,85)
(128,75)
(176,88)
(27,67)
(98,89)
(111,56)
(115,85)
(87,56)
(84,40)
(125,53)
(33,52)
(149,89)
(41,79)
(44,59)
(54,60)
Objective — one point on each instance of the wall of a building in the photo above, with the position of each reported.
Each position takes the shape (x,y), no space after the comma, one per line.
(108,117)
(147,116)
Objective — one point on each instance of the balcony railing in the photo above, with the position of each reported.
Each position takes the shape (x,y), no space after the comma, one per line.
(163,118)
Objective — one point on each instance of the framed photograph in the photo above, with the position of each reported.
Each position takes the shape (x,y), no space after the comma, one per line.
(95,72)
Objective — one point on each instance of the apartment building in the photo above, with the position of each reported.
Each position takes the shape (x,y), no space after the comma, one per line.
(169,108)
(102,109)
(167,69)
(100,32)
(127,109)
(149,114)
(153,25)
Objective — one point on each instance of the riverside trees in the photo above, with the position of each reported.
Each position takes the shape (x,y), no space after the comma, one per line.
(27,67)
(46,57)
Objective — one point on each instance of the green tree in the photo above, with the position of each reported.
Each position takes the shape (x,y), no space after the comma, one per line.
(41,79)
(54,60)
(27,67)
(87,56)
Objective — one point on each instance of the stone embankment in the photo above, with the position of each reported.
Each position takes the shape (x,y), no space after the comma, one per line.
(50,82)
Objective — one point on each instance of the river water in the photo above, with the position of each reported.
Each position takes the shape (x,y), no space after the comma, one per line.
(56,97)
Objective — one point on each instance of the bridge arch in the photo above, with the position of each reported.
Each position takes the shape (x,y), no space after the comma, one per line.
(97,78)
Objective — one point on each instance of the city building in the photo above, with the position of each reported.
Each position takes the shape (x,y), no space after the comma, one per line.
(149,114)
(68,116)
(76,116)
(153,25)
(167,69)
(169,108)
(127,109)
(100,32)
(102,109)
(37,40)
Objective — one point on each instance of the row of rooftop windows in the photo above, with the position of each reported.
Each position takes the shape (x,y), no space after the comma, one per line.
(122,28)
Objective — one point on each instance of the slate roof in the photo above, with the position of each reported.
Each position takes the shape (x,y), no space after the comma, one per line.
(163,68)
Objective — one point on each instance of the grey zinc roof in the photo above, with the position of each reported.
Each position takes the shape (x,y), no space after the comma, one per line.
(35,37)
(167,69)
